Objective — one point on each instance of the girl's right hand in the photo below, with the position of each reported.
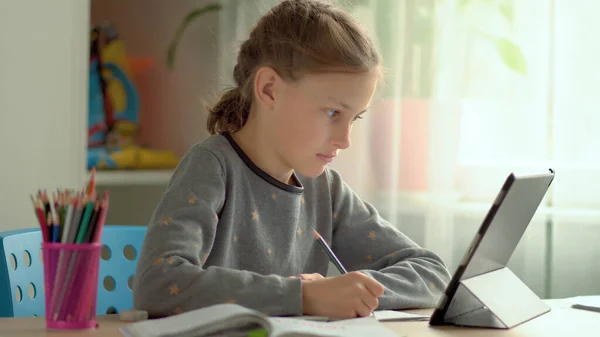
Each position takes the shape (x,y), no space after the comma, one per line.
(347,296)
(311,277)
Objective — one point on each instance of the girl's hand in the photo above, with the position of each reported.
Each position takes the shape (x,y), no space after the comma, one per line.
(347,296)
(308,277)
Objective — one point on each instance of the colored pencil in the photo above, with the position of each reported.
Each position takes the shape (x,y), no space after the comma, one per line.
(68,281)
(62,212)
(39,212)
(95,234)
(50,224)
(78,211)
(83,217)
(101,218)
(329,252)
(91,187)
(93,223)
(55,220)
(68,218)
(85,220)
(46,203)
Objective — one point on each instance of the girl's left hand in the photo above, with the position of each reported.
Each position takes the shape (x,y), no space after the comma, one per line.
(310,277)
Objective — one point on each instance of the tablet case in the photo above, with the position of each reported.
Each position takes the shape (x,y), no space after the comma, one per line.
(483,291)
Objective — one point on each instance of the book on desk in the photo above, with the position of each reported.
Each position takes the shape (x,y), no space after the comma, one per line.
(235,320)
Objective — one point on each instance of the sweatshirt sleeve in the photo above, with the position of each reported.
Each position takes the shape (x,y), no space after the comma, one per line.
(413,277)
(171,275)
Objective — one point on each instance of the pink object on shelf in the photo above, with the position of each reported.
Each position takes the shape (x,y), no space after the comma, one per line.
(71,284)
(140,65)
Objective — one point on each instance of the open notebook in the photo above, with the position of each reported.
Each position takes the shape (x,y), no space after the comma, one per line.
(380,315)
(235,320)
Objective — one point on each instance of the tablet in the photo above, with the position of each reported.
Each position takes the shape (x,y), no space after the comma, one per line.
(483,292)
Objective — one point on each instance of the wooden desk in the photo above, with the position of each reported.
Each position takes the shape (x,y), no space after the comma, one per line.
(560,322)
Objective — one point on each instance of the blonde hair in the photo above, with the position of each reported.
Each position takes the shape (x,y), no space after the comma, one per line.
(294,37)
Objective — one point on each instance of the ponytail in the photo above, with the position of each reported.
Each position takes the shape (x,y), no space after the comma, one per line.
(230,113)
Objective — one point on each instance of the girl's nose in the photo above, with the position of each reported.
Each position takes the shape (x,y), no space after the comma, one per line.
(341,138)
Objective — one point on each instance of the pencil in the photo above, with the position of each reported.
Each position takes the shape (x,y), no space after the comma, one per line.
(73,237)
(329,252)
(62,213)
(38,207)
(55,220)
(93,223)
(46,208)
(85,220)
(45,202)
(85,299)
(88,207)
(91,187)
(77,212)
(68,218)
(101,218)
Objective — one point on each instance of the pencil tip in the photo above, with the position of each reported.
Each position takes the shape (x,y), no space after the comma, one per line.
(316,235)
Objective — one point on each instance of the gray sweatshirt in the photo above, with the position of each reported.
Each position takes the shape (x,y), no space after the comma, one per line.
(227,232)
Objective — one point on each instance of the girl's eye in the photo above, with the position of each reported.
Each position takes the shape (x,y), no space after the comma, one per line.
(332,113)
(357,117)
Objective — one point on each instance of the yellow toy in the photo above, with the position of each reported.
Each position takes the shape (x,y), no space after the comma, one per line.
(114,108)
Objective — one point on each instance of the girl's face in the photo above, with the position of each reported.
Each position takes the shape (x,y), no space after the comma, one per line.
(312,118)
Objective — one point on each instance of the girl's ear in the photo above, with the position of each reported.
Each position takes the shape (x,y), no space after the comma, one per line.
(266,83)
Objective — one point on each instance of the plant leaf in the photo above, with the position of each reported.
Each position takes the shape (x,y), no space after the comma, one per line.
(463,3)
(507,9)
(510,53)
(191,16)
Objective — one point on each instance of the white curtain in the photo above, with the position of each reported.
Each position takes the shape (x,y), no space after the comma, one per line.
(477,89)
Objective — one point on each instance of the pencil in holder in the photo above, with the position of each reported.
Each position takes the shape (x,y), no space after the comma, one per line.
(71,284)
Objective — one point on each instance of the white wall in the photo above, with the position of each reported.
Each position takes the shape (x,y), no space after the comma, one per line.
(43,102)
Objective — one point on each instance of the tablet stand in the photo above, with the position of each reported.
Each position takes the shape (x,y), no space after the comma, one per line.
(497,299)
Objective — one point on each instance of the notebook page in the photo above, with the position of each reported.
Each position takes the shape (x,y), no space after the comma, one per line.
(357,327)
(392,315)
(199,322)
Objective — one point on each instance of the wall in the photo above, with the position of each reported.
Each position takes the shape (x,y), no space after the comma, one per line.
(43,104)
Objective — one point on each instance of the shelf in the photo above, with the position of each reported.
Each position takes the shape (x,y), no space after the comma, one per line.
(133,177)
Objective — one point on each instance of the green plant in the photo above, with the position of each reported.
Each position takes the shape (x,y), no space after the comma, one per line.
(417,20)
(509,52)
(189,18)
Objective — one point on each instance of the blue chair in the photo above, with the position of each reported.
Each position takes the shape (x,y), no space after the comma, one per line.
(121,248)
(21,275)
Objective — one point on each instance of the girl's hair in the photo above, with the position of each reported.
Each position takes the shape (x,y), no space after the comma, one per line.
(294,38)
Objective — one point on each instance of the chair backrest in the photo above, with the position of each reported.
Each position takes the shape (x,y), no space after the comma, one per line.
(21,273)
(121,248)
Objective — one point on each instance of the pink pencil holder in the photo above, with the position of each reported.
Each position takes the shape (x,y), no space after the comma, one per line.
(71,284)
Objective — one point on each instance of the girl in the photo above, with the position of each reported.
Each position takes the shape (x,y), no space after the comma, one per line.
(236,222)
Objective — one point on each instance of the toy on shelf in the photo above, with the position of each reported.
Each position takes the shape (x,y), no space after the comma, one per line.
(114,107)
